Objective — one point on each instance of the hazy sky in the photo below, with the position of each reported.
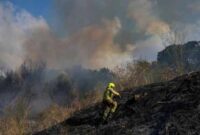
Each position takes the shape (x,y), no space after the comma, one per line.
(93,33)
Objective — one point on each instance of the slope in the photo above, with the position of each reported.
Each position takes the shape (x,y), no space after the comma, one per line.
(169,108)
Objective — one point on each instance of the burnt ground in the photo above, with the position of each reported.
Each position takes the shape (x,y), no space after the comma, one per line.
(170,108)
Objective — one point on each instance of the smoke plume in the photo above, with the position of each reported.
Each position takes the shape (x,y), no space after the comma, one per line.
(93,33)
(92,47)
(141,11)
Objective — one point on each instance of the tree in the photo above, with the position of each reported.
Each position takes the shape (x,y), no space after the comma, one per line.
(177,38)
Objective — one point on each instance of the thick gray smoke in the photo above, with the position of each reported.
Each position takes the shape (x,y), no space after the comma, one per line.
(92,47)
(94,33)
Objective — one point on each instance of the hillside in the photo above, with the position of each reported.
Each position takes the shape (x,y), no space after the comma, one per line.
(170,108)
(186,56)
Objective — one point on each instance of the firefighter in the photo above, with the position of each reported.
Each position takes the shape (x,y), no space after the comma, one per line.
(109,104)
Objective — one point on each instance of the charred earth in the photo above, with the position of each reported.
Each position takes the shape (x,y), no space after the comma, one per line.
(169,108)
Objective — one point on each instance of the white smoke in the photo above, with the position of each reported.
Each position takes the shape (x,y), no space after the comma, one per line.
(14,29)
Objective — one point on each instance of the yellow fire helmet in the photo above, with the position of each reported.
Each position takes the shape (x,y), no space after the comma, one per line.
(111,85)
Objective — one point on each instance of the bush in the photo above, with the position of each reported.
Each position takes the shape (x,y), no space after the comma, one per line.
(15,120)
(134,74)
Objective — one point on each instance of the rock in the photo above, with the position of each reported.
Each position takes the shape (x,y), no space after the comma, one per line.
(186,56)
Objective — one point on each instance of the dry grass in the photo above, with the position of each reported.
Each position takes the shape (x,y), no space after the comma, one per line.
(134,74)
(17,122)
(53,115)
(141,72)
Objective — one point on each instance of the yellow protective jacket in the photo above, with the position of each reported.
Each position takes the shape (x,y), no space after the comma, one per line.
(109,93)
